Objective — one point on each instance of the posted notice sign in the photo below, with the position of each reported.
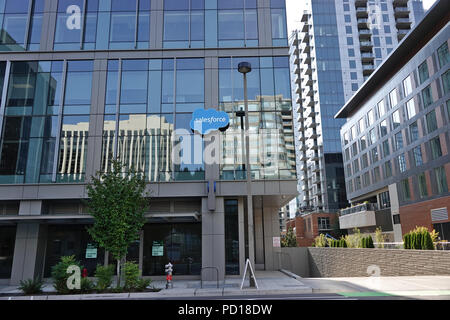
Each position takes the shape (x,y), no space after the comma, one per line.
(157,249)
(276,242)
(91,251)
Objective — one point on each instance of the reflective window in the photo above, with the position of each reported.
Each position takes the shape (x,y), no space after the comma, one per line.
(431,121)
(407,85)
(446,81)
(184,24)
(443,54)
(383,128)
(414,131)
(435,145)
(393,98)
(398,141)
(423,72)
(31,123)
(156,97)
(113,24)
(381,108)
(401,163)
(386,149)
(422,185)
(7,241)
(237,27)
(371,117)
(410,109)
(404,187)
(387,169)
(396,119)
(418,156)
(278,14)
(427,96)
(14,18)
(441,179)
(269,102)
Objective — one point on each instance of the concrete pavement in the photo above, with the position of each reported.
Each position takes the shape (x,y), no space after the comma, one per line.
(270,283)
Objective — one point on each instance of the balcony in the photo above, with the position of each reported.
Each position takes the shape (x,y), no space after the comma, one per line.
(302,167)
(304,47)
(401,12)
(301,128)
(304,37)
(306,58)
(307,70)
(364,34)
(401,34)
(301,137)
(367,57)
(362,215)
(360,3)
(297,69)
(361,12)
(300,117)
(397,3)
(296,60)
(403,23)
(305,27)
(363,23)
(316,178)
(303,177)
(298,90)
(311,134)
(315,168)
(307,81)
(310,123)
(298,80)
(310,113)
(308,91)
(368,69)
(313,145)
(365,45)
(295,41)
(305,16)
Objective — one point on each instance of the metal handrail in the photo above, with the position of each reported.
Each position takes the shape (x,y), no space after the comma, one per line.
(201,279)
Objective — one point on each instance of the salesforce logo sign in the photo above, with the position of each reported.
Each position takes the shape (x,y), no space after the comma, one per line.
(205,121)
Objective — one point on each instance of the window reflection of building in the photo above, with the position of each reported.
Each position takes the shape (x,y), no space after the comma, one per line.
(144,143)
(272,154)
(73,148)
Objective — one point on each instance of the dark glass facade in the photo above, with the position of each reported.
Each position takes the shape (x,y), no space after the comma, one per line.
(7,241)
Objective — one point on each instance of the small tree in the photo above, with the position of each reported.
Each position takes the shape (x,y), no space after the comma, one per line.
(117,203)
(290,240)
(379,237)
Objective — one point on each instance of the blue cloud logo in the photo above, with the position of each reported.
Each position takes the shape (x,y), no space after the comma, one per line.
(205,121)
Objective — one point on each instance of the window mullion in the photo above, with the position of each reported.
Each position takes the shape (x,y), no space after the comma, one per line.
(136,25)
(119,89)
(4,95)
(27,29)
(83,22)
(60,115)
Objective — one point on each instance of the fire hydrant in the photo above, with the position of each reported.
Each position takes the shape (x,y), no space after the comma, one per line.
(169,275)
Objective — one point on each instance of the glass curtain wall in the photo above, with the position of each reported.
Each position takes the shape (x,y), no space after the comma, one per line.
(21,24)
(146,101)
(35,117)
(279,28)
(272,154)
(104,24)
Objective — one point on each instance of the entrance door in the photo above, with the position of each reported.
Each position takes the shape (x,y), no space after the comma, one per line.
(177,243)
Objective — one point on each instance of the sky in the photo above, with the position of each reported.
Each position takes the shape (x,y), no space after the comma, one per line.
(294,9)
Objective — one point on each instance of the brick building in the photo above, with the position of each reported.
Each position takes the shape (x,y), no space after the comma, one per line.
(310,225)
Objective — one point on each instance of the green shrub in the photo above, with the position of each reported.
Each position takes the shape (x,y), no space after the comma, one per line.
(31,286)
(419,238)
(320,241)
(343,243)
(59,274)
(369,242)
(86,285)
(104,276)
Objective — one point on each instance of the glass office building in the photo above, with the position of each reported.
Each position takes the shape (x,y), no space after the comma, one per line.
(86,81)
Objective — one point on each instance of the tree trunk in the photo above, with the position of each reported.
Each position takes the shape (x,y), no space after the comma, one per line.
(118,273)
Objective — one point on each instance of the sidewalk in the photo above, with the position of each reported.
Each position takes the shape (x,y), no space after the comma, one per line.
(269,283)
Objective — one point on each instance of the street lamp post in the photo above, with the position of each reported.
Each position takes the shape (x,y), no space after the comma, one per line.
(244,68)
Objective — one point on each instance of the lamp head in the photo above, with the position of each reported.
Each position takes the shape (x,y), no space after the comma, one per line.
(244,67)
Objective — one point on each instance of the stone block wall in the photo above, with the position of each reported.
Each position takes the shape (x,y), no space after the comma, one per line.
(353,262)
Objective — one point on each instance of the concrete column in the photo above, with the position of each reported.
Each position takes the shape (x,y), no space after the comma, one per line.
(259,238)
(395,209)
(213,240)
(29,252)
(271,229)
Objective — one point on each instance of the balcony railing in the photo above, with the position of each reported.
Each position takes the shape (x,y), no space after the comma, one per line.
(360,208)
